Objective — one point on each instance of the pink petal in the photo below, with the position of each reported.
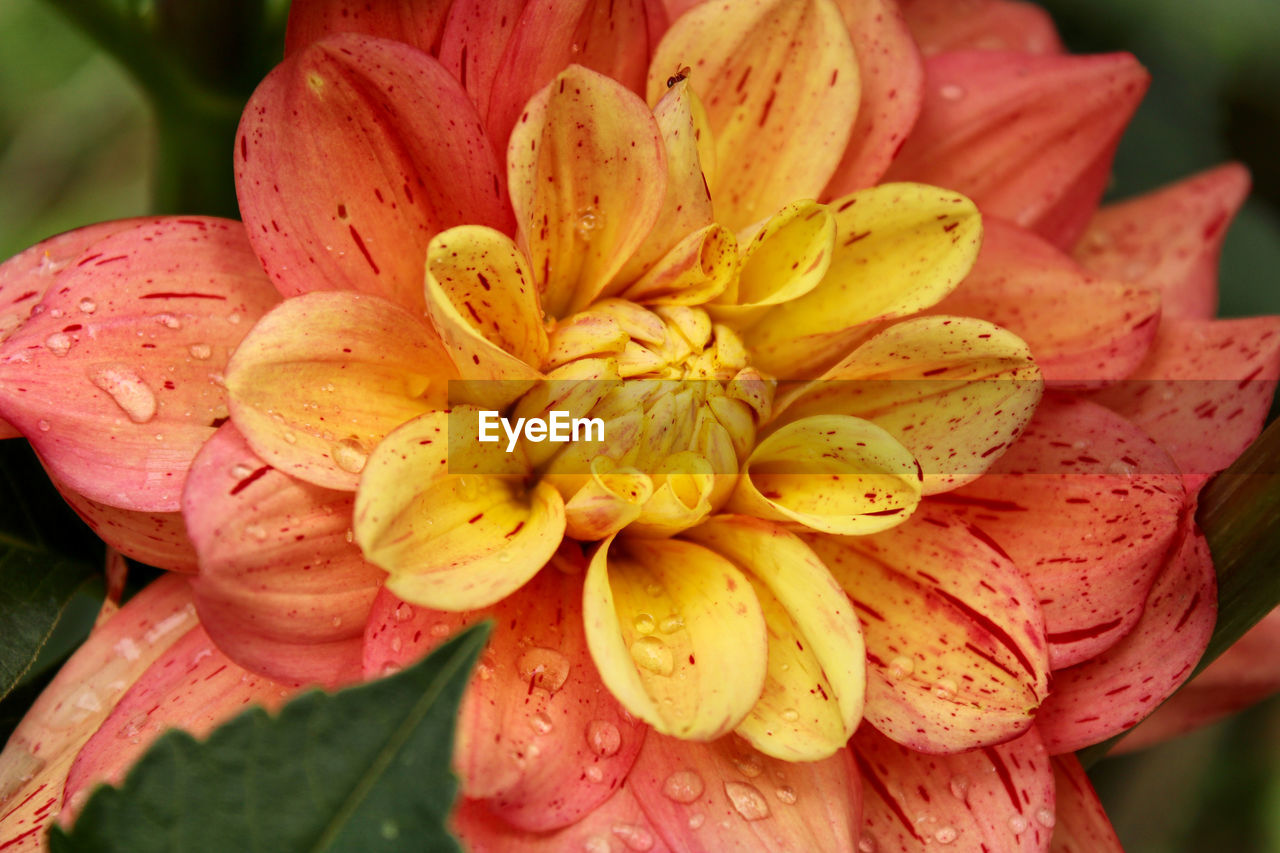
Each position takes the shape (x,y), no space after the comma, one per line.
(156,538)
(281,588)
(1169,239)
(1247,673)
(892,75)
(725,796)
(1082,329)
(617,824)
(540,740)
(945,25)
(999,799)
(1110,693)
(417,24)
(1203,390)
(405,157)
(40,751)
(1082,825)
(116,381)
(192,686)
(1029,138)
(1087,506)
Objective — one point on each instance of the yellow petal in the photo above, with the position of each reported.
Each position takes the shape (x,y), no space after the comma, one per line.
(607,502)
(831,473)
(954,390)
(323,377)
(587,174)
(813,693)
(459,530)
(676,633)
(780,83)
(696,270)
(899,248)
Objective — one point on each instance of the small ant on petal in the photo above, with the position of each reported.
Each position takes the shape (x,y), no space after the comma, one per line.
(679,75)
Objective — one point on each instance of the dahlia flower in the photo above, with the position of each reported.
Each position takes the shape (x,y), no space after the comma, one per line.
(893,509)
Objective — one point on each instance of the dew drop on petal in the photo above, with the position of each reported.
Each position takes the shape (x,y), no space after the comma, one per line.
(1018,824)
(169,321)
(588,222)
(440,630)
(946,834)
(396,643)
(901,667)
(88,306)
(541,723)
(790,715)
(653,655)
(349,455)
(257,531)
(634,837)
(59,343)
(42,425)
(945,688)
(683,786)
(594,774)
(596,844)
(654,589)
(951,92)
(132,726)
(200,351)
(1045,817)
(746,800)
(960,788)
(786,794)
(545,668)
(671,624)
(749,765)
(696,820)
(866,844)
(403,612)
(241,470)
(603,738)
(644,624)
(127,389)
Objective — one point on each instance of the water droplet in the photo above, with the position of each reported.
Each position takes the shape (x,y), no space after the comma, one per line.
(55,313)
(88,306)
(128,391)
(42,425)
(541,723)
(200,351)
(603,737)
(589,220)
(1045,817)
(440,630)
(169,321)
(901,667)
(594,774)
(596,844)
(291,438)
(654,589)
(233,319)
(671,624)
(651,654)
(396,643)
(786,794)
(634,837)
(337,621)
(951,92)
(749,765)
(747,800)
(390,830)
(132,726)
(696,820)
(546,668)
(1120,468)
(644,624)
(241,470)
(791,715)
(1018,824)
(945,688)
(59,343)
(960,788)
(349,455)
(403,612)
(87,700)
(946,834)
(683,786)
(257,531)
(866,844)
(350,535)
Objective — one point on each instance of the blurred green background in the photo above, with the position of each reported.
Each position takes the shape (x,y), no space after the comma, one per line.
(76,141)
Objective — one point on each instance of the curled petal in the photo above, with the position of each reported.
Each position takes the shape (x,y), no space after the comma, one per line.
(405,157)
(1081,823)
(1087,506)
(281,589)
(1000,798)
(156,538)
(955,641)
(116,380)
(696,270)
(552,757)
(1169,239)
(418,24)
(608,502)
(780,82)
(831,473)
(1082,330)
(813,691)
(780,260)
(453,541)
(39,753)
(945,25)
(1029,138)
(677,634)
(1111,692)
(325,376)
(899,248)
(587,172)
(957,392)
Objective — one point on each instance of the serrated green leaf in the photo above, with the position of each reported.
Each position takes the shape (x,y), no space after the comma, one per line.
(365,769)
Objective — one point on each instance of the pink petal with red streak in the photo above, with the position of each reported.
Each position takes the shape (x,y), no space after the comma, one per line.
(1082,825)
(939,26)
(1088,507)
(614,826)
(414,23)
(118,400)
(156,538)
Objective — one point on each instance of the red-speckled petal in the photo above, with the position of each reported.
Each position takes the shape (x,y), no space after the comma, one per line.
(540,740)
(1029,138)
(405,157)
(1203,391)
(725,796)
(999,799)
(615,826)
(1083,330)
(1081,823)
(779,79)
(35,761)
(156,538)
(1110,693)
(892,75)
(281,588)
(1087,506)
(1169,239)
(956,652)
(116,381)
(945,25)
(192,686)
(415,23)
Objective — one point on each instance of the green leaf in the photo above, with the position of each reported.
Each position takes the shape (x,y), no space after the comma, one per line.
(365,769)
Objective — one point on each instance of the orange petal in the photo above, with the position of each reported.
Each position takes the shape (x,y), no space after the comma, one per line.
(725,796)
(1169,239)
(404,154)
(617,824)
(418,24)
(1111,692)
(325,376)
(588,175)
(281,588)
(956,650)
(116,380)
(999,799)
(156,538)
(1083,330)
(945,25)
(1087,506)
(779,79)
(1082,825)
(1029,138)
